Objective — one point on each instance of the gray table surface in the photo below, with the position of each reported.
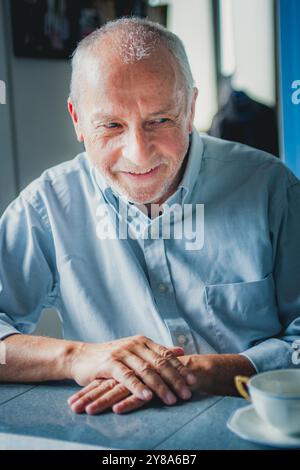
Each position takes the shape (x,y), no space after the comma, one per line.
(37,416)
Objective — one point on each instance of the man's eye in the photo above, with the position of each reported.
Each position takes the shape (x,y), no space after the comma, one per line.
(161,121)
(111,125)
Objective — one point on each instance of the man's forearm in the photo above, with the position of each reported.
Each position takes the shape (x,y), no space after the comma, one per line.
(216,372)
(37,358)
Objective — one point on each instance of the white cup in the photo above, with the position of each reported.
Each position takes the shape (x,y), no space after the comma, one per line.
(275,396)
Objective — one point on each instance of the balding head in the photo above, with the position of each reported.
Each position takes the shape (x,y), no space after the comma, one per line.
(128,41)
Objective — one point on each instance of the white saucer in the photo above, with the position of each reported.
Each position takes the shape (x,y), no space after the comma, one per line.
(246,423)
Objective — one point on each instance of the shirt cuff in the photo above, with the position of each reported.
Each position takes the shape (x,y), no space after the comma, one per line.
(270,355)
(7,330)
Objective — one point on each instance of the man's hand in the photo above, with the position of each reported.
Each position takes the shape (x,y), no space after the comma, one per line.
(215,376)
(130,359)
(103,394)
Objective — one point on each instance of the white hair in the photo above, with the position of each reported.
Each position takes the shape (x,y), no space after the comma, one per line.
(133,39)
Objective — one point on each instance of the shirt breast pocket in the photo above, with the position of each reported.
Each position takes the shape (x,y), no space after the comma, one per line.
(242,313)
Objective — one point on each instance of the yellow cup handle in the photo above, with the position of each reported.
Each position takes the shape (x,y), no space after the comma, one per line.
(241,384)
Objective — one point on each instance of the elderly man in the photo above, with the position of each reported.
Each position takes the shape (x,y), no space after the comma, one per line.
(143,312)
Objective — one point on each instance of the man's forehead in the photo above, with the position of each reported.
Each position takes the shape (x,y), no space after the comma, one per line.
(101,67)
(113,88)
(114,75)
(153,111)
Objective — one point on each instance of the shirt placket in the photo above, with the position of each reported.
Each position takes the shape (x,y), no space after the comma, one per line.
(164,295)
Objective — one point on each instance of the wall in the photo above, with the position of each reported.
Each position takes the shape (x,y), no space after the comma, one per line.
(254,43)
(251,35)
(44,133)
(192,21)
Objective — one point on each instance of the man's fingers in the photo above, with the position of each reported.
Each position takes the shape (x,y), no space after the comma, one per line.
(90,395)
(128,404)
(127,377)
(144,369)
(107,400)
(84,390)
(162,351)
(168,374)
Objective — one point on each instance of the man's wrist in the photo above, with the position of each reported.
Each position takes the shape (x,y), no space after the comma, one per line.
(70,357)
(215,372)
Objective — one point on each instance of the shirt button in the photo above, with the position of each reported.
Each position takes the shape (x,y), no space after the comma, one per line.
(181,339)
(162,288)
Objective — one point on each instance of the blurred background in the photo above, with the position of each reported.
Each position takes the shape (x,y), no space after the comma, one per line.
(244,56)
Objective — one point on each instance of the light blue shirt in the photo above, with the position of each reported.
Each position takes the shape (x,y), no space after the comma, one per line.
(237,292)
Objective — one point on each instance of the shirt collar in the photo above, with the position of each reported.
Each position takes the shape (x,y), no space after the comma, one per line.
(193,165)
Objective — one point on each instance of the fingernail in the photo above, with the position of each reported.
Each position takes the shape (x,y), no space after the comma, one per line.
(191,379)
(75,409)
(146,394)
(186,393)
(117,410)
(171,399)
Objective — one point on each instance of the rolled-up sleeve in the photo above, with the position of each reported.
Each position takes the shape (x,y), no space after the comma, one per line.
(27,283)
(284,218)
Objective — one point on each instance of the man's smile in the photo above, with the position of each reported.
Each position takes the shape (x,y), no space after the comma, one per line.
(142,175)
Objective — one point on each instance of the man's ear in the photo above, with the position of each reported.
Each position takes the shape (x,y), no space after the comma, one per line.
(192,109)
(75,119)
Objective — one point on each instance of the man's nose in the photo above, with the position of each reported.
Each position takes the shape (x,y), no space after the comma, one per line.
(138,147)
